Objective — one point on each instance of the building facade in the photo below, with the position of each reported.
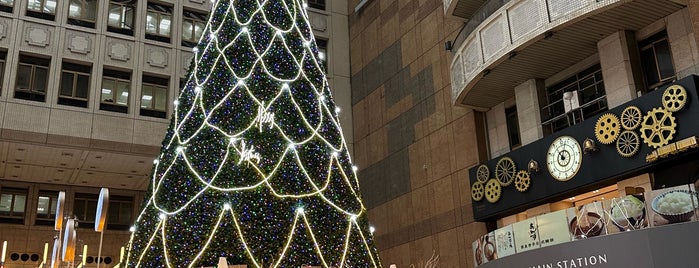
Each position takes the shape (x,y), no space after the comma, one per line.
(450,85)
(86,92)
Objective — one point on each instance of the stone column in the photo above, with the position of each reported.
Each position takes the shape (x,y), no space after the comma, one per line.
(621,69)
(529,111)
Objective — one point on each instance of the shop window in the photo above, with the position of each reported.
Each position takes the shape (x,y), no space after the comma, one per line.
(513,127)
(85,209)
(114,95)
(13,203)
(193,24)
(121,16)
(154,96)
(317,4)
(323,53)
(7,5)
(82,13)
(586,99)
(120,213)
(32,77)
(75,84)
(656,60)
(43,9)
(46,208)
(158,22)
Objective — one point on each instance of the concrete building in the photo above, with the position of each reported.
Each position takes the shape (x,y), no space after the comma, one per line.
(424,117)
(86,95)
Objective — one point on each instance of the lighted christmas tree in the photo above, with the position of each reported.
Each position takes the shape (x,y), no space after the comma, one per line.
(254,166)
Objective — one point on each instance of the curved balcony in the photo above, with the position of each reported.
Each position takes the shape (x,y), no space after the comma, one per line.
(527,39)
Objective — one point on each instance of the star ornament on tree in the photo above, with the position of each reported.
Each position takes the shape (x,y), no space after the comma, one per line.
(254,167)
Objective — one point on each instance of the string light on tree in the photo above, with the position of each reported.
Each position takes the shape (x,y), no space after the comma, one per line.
(254,167)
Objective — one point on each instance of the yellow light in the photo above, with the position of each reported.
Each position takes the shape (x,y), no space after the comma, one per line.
(46,252)
(84,254)
(4,251)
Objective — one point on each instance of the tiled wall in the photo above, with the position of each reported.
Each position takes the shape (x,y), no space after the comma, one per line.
(412,146)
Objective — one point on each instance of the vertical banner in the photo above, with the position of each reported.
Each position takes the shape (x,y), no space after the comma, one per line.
(484,249)
(526,235)
(505,241)
(553,228)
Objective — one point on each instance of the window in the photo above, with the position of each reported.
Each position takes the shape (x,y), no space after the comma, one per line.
(656,60)
(121,16)
(513,127)
(75,84)
(13,203)
(7,5)
(158,22)
(120,213)
(323,53)
(192,27)
(82,13)
(319,4)
(591,97)
(85,209)
(32,77)
(43,9)
(46,208)
(3,57)
(114,95)
(154,96)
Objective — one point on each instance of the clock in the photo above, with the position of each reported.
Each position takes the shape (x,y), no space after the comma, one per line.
(564,158)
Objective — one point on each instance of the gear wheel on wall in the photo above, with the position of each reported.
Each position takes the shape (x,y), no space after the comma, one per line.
(658,127)
(631,118)
(483,173)
(628,143)
(674,98)
(523,181)
(493,190)
(607,128)
(505,171)
(477,191)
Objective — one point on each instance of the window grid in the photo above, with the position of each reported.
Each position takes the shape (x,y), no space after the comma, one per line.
(121,16)
(43,9)
(114,94)
(32,77)
(154,95)
(75,85)
(193,24)
(13,203)
(82,12)
(656,60)
(323,53)
(158,22)
(7,5)
(84,209)
(513,127)
(120,213)
(46,208)
(317,4)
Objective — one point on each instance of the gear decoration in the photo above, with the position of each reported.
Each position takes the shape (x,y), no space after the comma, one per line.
(628,143)
(505,171)
(523,181)
(658,127)
(674,98)
(493,190)
(482,173)
(631,118)
(607,128)
(477,191)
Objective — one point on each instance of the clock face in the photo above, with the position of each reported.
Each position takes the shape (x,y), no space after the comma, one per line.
(564,158)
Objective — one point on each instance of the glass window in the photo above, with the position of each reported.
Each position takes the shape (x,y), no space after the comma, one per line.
(323,53)
(656,60)
(75,84)
(192,27)
(32,76)
(43,9)
(513,127)
(154,96)
(121,16)
(82,12)
(7,5)
(3,55)
(114,95)
(318,4)
(120,213)
(158,22)
(591,97)
(46,208)
(85,208)
(13,203)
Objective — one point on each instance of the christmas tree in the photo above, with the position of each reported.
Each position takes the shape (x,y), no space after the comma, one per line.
(254,166)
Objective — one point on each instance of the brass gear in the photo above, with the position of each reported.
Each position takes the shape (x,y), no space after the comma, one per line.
(674,98)
(607,128)
(658,127)
(482,173)
(523,181)
(493,190)
(505,171)
(628,143)
(631,118)
(477,191)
